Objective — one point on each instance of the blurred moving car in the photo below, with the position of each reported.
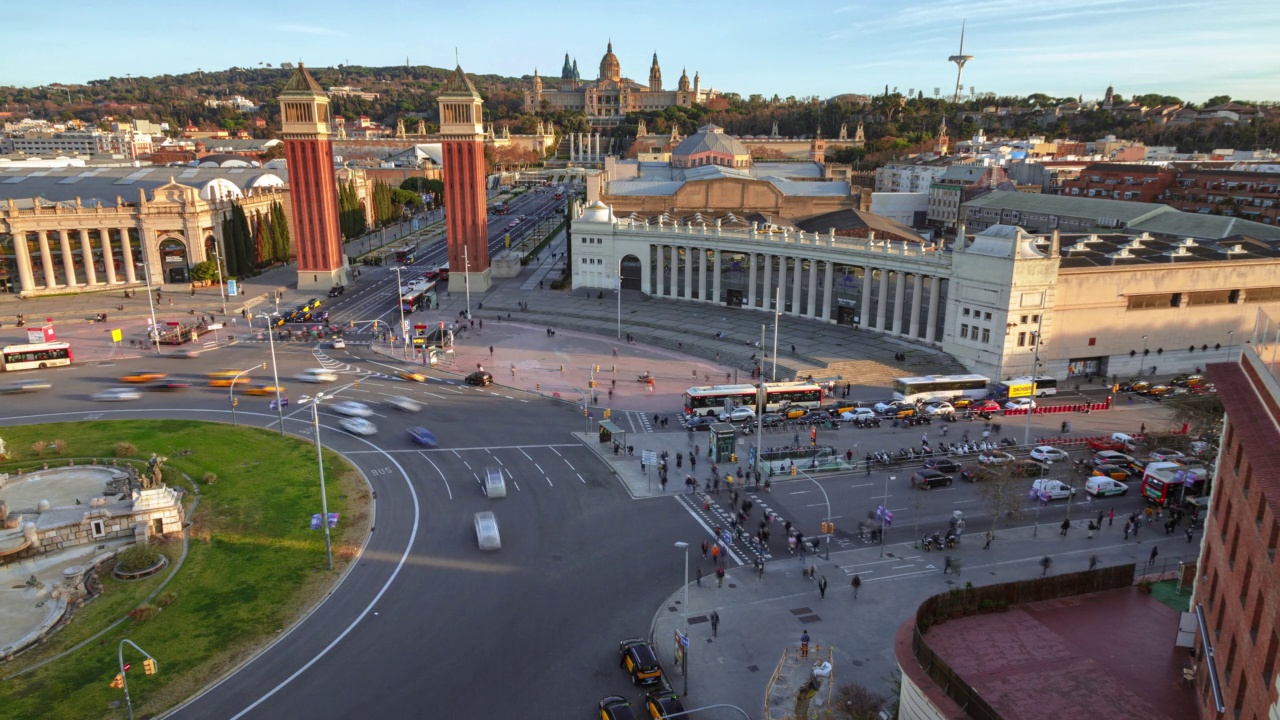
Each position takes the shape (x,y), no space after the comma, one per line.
(1048,453)
(698,422)
(994,457)
(1099,486)
(487,531)
(929,479)
(227,378)
(403,403)
(166,385)
(616,707)
(317,375)
(480,378)
(1020,404)
(1053,489)
(939,408)
(662,704)
(412,376)
(264,390)
(339,344)
(24,386)
(942,465)
(337,290)
(116,394)
(143,377)
(351,408)
(358,426)
(423,437)
(738,414)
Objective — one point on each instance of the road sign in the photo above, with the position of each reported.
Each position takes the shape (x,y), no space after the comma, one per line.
(116,335)
(214,326)
(649,457)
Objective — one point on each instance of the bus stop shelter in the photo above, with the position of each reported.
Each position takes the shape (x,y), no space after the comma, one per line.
(610,432)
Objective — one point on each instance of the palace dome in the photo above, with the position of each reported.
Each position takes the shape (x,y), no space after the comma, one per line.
(610,68)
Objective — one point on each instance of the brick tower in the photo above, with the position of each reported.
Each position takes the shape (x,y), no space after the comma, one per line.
(313,188)
(462,139)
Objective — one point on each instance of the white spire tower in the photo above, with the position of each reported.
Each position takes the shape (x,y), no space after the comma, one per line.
(959,59)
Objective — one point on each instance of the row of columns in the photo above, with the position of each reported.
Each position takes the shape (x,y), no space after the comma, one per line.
(669,256)
(26,277)
(585,147)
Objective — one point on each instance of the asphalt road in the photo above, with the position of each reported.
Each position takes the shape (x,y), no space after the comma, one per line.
(426,622)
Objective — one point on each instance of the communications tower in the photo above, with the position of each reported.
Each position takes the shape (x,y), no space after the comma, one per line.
(959,59)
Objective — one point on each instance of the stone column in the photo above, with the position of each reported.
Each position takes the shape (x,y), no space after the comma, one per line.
(108,257)
(781,294)
(813,289)
(86,258)
(827,283)
(766,285)
(46,259)
(932,322)
(715,275)
(916,280)
(675,272)
(23,253)
(883,299)
(68,260)
(130,275)
(796,287)
(751,280)
(899,289)
(688,273)
(866,296)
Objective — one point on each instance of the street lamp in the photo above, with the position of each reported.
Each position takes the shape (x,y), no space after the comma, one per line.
(275,373)
(217,254)
(884,527)
(146,271)
(324,501)
(777,316)
(232,389)
(466,278)
(684,666)
(1035,370)
(1142,366)
(1231,340)
(404,327)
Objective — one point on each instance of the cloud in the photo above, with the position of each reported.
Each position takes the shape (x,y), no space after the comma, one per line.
(309,30)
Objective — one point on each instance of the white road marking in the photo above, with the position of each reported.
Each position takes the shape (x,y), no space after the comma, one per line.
(544,472)
(584,482)
(442,477)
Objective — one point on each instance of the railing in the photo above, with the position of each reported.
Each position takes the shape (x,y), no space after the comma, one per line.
(1266,342)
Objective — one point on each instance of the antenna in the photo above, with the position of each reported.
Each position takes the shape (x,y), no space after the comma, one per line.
(456,61)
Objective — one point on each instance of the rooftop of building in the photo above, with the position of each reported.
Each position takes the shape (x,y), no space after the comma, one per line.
(963,174)
(797,179)
(1119,249)
(853,219)
(1253,407)
(1125,167)
(105,184)
(713,139)
(1100,655)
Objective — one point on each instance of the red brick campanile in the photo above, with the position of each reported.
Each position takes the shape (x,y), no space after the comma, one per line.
(313,187)
(462,141)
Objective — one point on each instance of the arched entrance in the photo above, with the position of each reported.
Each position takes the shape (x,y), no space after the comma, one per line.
(630,273)
(173,260)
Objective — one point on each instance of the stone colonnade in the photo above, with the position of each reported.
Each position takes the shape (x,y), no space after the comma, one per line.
(112,246)
(585,147)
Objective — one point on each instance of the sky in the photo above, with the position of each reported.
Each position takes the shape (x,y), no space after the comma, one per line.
(1192,49)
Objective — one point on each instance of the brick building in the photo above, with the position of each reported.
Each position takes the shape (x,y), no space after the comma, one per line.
(1249,195)
(1120,181)
(1236,596)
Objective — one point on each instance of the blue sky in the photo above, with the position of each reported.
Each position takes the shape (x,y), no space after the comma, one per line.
(1188,48)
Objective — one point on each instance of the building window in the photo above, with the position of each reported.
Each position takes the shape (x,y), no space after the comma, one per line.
(986,335)
(1093,341)
(1272,540)
(1266,294)
(986,316)
(97,528)
(966,312)
(1210,297)
(1035,319)
(1023,320)
(1272,650)
(1022,339)
(1235,544)
(1152,301)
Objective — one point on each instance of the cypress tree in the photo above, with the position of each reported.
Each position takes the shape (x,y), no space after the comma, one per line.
(262,241)
(229,264)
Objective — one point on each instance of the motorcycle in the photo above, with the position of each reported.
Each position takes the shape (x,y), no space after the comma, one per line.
(952,540)
(1008,442)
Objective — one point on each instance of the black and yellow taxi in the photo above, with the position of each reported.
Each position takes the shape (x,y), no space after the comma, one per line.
(263,390)
(616,707)
(412,376)
(637,657)
(142,377)
(663,703)
(226,378)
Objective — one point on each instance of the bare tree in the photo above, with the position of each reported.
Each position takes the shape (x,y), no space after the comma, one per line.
(1003,492)
(857,702)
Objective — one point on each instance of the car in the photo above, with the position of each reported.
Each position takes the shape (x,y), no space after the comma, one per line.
(1020,404)
(858,415)
(1158,390)
(432,274)
(739,414)
(697,422)
(423,437)
(265,390)
(1099,486)
(1111,457)
(1115,472)
(939,408)
(487,535)
(523,217)
(1025,468)
(24,386)
(1165,455)
(358,426)
(884,406)
(1048,454)
(984,406)
(116,395)
(843,406)
(637,657)
(771,419)
(962,402)
(351,408)
(400,402)
(143,377)
(317,375)
(412,376)
(1198,504)
(227,378)
(976,473)
(337,290)
(616,707)
(792,413)
(662,704)
(815,416)
(480,378)
(166,385)
(943,465)
(339,344)
(994,457)
(929,479)
(1053,489)
(905,412)
(185,354)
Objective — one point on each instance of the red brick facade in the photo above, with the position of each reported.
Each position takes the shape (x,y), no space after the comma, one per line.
(1116,181)
(313,196)
(1239,575)
(466,205)
(1248,195)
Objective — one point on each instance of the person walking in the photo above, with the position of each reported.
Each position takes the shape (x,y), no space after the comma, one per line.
(1066,525)
(720,577)
(804,644)
(856,584)
(990,536)
(699,576)
(1092,527)
(822,588)
(1189,534)
(1111,517)
(1126,531)
(1045,562)
(1155,552)
(1101,514)
(705,547)
(715,623)
(1093,561)
(715,553)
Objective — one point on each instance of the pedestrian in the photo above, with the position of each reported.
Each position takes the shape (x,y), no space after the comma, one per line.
(1045,562)
(1143,429)
(1111,517)
(1093,561)
(705,547)
(1136,525)
(946,566)
(715,553)
(855,583)
(990,536)
(715,623)
(490,350)
(1155,551)
(804,644)
(720,577)
(822,587)
(699,576)
(1100,514)
(1066,525)
(663,481)
(1126,531)
(1189,533)
(1092,527)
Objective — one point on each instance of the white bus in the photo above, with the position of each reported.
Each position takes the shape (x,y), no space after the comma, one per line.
(792,394)
(710,401)
(35,356)
(939,387)
(1023,387)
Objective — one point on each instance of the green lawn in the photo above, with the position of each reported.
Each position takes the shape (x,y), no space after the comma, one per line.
(254,565)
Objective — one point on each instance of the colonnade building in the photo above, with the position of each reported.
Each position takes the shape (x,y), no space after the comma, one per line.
(999,302)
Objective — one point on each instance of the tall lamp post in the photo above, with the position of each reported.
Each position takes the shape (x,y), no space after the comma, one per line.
(777,317)
(1142,368)
(1231,344)
(684,666)
(232,390)
(324,500)
(466,278)
(1035,369)
(884,527)
(222,287)
(146,271)
(275,372)
(404,327)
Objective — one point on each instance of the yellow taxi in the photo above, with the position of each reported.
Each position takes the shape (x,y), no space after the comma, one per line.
(261,390)
(793,413)
(143,377)
(226,378)
(412,376)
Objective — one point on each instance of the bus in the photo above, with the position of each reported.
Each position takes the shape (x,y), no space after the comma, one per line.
(559,193)
(939,387)
(1023,387)
(710,401)
(406,254)
(1165,483)
(791,394)
(500,209)
(418,296)
(443,271)
(35,356)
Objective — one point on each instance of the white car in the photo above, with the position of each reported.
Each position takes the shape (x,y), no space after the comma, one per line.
(339,344)
(1020,404)
(1053,489)
(939,408)
(317,375)
(737,414)
(351,408)
(1166,455)
(358,426)
(883,406)
(116,395)
(994,457)
(863,414)
(1048,454)
(487,531)
(400,402)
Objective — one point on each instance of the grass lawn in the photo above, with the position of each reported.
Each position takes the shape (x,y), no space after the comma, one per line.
(254,565)
(1166,592)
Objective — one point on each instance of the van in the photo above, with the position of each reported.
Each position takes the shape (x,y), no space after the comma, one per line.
(495,486)
(1053,489)
(317,375)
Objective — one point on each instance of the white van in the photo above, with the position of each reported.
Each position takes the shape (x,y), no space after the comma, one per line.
(495,486)
(1054,489)
(318,375)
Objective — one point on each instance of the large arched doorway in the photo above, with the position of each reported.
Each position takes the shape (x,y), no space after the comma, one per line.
(630,273)
(173,260)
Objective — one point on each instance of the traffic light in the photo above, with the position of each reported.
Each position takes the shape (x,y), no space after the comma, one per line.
(591,383)
(118,682)
(607,413)
(149,666)
(264,366)
(597,368)
(584,412)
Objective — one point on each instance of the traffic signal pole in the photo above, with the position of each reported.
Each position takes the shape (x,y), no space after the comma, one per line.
(149,665)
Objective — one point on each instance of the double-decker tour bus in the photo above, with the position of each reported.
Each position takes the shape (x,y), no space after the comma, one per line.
(406,254)
(791,394)
(710,401)
(35,356)
(418,296)
(939,387)
(1028,386)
